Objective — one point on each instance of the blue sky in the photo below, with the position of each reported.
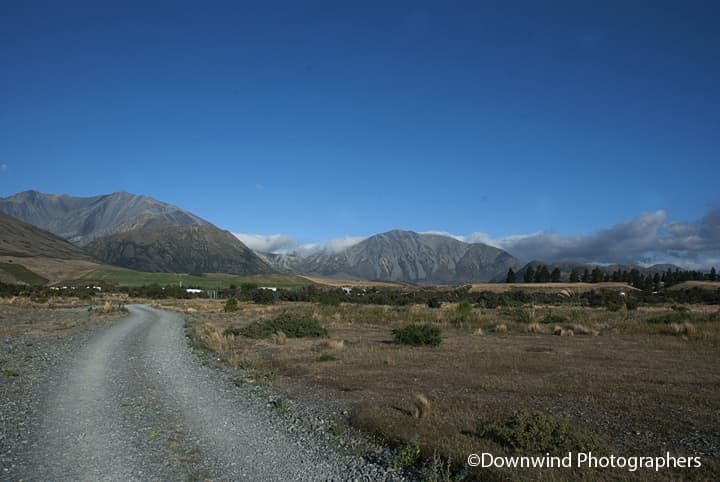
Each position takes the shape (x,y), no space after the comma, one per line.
(329,119)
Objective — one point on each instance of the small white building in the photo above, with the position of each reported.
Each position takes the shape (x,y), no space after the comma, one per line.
(269,288)
(193,291)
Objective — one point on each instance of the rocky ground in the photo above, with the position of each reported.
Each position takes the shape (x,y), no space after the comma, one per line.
(127,399)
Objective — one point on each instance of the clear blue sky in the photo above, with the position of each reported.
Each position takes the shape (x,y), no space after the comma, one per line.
(351,118)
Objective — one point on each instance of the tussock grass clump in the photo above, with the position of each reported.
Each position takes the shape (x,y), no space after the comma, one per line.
(479,332)
(422,406)
(525,315)
(417,335)
(463,314)
(534,327)
(110,307)
(560,331)
(535,432)
(293,325)
(584,330)
(217,341)
(279,338)
(500,328)
(332,344)
(685,328)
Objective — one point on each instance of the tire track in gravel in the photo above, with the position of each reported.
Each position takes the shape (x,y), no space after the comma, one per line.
(136,404)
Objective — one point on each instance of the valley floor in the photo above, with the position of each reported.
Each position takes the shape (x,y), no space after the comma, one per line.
(637,383)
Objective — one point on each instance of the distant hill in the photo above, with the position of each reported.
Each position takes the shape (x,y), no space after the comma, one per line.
(178,249)
(26,250)
(80,220)
(137,232)
(404,256)
(21,239)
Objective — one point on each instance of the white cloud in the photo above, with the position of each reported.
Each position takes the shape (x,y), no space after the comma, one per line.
(477,237)
(271,243)
(284,243)
(645,239)
(330,246)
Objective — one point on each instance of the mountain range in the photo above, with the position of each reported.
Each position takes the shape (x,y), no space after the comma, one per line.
(23,240)
(81,220)
(141,233)
(137,232)
(404,256)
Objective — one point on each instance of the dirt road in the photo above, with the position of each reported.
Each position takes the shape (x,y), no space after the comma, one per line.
(134,403)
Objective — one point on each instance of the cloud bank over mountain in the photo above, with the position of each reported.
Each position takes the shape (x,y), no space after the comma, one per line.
(286,244)
(646,239)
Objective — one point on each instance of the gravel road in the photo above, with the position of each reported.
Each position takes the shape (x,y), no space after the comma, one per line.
(132,402)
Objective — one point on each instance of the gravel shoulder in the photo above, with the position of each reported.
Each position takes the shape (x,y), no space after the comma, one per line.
(133,402)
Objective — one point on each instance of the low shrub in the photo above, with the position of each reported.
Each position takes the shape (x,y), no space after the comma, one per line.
(534,328)
(293,325)
(678,317)
(417,335)
(263,297)
(535,432)
(231,305)
(551,319)
(434,303)
(463,314)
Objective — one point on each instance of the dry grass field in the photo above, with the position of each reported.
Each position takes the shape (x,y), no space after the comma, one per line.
(59,269)
(643,382)
(553,287)
(338,283)
(710,285)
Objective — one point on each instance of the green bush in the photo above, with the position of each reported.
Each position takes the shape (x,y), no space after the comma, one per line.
(418,335)
(554,319)
(671,317)
(434,303)
(263,297)
(294,326)
(463,314)
(534,432)
(231,305)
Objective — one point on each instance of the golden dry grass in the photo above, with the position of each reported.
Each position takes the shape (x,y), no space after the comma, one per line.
(710,285)
(570,288)
(633,374)
(60,269)
(339,283)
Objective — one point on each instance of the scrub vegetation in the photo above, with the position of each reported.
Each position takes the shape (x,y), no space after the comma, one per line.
(498,379)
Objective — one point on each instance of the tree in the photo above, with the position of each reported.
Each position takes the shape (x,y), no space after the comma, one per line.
(529,275)
(510,278)
(555,275)
(542,275)
(539,273)
(713,274)
(574,276)
(586,276)
(596,275)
